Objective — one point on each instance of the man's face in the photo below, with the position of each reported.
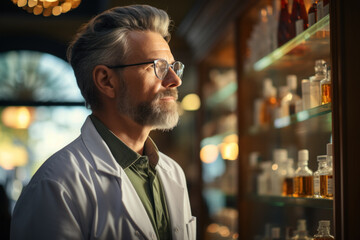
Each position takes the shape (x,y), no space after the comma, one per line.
(143,97)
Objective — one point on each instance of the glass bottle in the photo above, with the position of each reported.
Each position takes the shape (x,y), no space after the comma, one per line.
(326,7)
(323,231)
(288,185)
(320,7)
(329,155)
(263,179)
(284,28)
(275,233)
(305,91)
(312,13)
(278,172)
(299,18)
(270,102)
(288,103)
(330,185)
(301,232)
(303,180)
(320,74)
(321,177)
(326,88)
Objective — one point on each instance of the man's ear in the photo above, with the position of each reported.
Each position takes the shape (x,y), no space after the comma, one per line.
(103,78)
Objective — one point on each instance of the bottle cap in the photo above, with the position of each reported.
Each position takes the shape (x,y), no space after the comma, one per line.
(268,90)
(322,158)
(303,155)
(291,81)
(320,66)
(280,155)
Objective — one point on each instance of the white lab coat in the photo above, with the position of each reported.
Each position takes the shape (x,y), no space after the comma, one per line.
(81,192)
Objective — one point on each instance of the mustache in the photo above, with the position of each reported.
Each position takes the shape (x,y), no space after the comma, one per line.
(167,93)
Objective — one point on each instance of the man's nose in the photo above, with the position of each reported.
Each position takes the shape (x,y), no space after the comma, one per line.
(171,80)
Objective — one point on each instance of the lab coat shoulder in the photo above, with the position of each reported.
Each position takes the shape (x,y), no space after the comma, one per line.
(50,203)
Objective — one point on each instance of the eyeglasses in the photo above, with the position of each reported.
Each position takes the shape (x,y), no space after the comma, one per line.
(161,67)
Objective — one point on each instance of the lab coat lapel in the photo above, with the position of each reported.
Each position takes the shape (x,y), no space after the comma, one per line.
(105,162)
(174,194)
(135,208)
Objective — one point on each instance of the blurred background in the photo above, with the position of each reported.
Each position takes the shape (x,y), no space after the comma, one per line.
(238,55)
(42,110)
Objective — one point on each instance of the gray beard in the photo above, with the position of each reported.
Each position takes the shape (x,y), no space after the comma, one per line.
(162,116)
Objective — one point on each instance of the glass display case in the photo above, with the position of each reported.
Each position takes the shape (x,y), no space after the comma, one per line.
(264,86)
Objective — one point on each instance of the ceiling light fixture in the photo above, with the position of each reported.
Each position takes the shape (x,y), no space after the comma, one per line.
(47,7)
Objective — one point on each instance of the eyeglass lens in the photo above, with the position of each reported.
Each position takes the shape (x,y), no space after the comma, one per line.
(162,68)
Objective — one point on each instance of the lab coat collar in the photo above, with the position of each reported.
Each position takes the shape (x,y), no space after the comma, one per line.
(100,152)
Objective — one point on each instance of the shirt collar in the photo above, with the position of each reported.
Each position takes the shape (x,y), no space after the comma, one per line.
(124,155)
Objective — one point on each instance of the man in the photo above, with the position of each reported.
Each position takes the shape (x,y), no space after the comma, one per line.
(112,182)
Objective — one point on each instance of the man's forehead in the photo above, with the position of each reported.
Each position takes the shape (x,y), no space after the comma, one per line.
(149,45)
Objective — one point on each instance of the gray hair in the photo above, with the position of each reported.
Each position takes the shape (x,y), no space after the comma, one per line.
(104,40)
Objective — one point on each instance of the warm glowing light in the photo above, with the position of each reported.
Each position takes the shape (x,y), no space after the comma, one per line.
(12,156)
(191,102)
(229,151)
(66,6)
(47,7)
(32,3)
(224,231)
(229,148)
(213,228)
(17,117)
(274,167)
(231,138)
(57,10)
(209,153)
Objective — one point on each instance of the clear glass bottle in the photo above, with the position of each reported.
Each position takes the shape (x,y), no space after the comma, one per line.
(288,184)
(299,18)
(275,234)
(325,85)
(303,180)
(278,172)
(329,153)
(321,176)
(320,74)
(284,27)
(330,185)
(305,93)
(320,7)
(312,13)
(323,231)
(263,180)
(288,103)
(301,232)
(326,7)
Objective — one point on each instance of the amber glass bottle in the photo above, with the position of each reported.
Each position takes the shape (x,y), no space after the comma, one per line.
(285,27)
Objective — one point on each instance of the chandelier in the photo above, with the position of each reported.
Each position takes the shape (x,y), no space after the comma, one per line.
(47,7)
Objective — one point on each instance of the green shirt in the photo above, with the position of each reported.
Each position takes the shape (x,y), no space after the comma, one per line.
(142,175)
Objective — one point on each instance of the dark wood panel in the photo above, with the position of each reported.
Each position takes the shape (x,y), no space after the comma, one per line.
(345,39)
